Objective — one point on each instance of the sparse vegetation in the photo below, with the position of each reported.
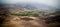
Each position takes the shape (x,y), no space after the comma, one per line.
(27,14)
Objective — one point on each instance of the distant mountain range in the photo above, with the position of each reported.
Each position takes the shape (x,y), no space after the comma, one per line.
(29,6)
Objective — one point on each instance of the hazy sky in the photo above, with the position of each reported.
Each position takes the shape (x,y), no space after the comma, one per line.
(54,3)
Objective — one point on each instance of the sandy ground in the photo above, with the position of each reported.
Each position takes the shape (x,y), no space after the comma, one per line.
(25,21)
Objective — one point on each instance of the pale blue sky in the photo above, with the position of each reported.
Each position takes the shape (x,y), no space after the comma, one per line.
(54,3)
